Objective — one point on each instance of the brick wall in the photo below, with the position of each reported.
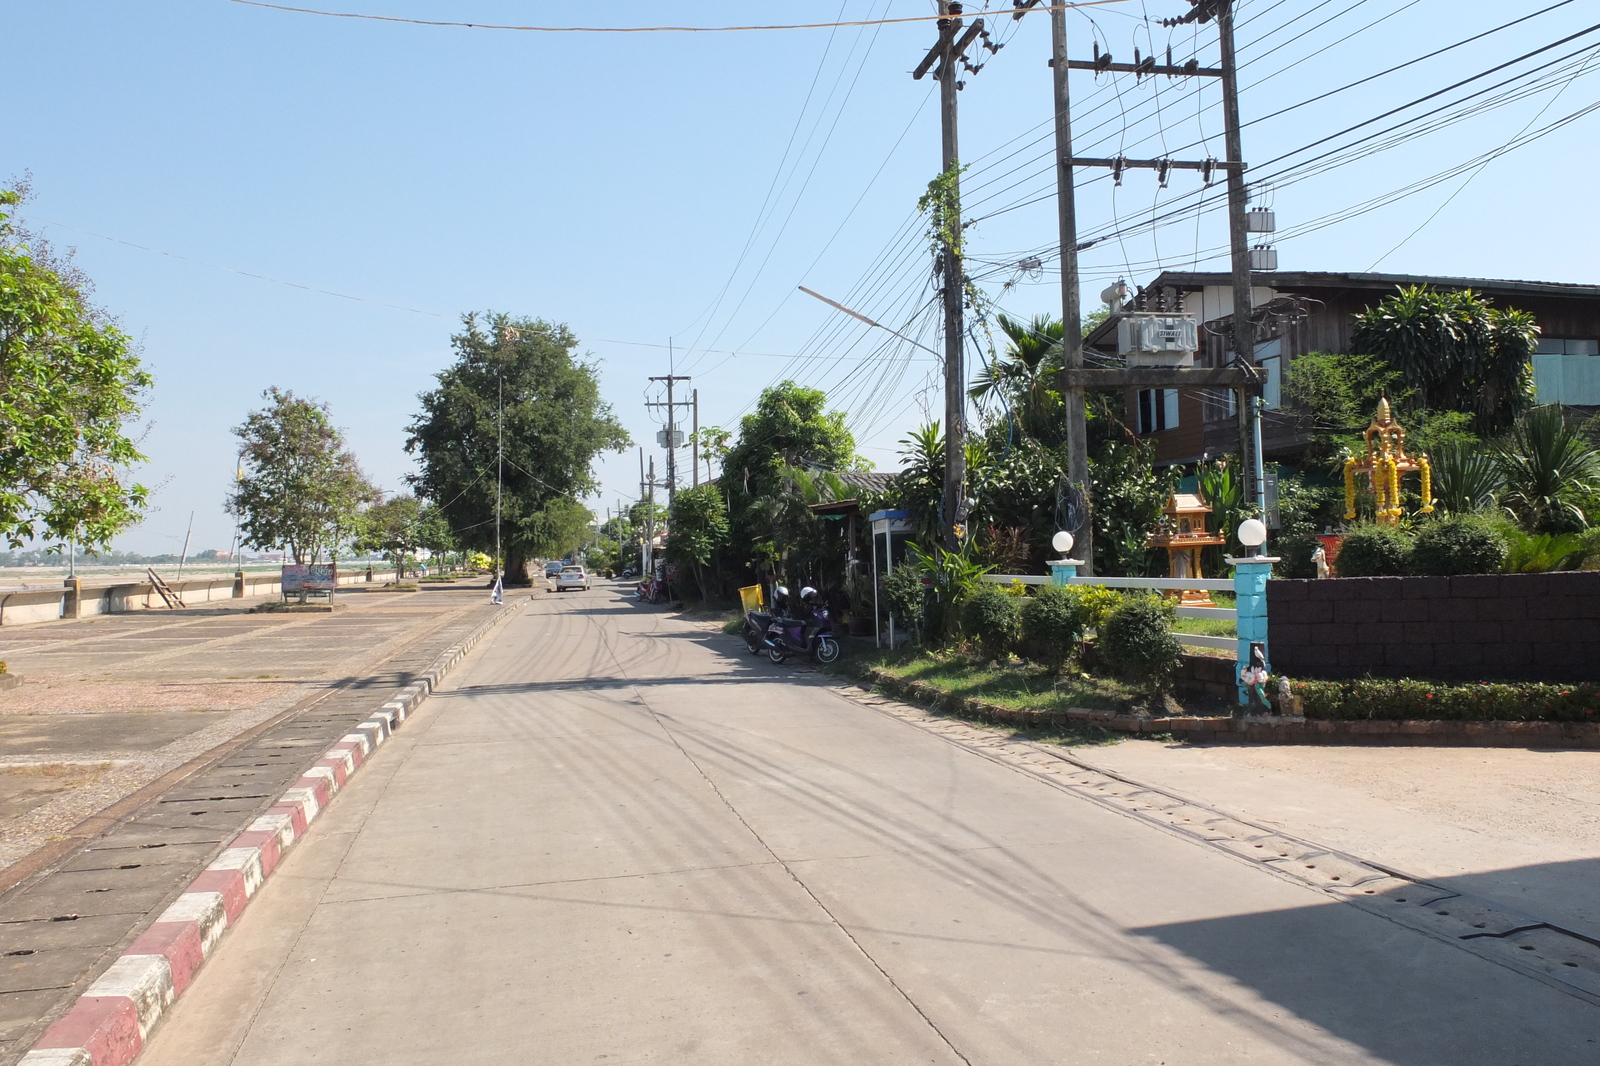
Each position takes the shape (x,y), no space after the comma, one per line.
(1539,627)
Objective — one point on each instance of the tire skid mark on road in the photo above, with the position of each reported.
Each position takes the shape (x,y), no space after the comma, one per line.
(1565,958)
(607,641)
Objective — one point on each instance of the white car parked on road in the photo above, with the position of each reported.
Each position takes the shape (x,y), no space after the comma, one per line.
(572,577)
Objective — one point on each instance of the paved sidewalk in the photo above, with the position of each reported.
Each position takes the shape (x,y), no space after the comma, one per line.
(1517,825)
(182,742)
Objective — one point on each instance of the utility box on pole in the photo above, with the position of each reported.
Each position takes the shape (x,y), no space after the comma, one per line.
(1152,338)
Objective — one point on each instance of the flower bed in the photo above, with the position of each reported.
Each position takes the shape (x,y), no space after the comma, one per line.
(1401,699)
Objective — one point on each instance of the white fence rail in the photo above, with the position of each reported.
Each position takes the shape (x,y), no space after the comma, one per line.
(1208,584)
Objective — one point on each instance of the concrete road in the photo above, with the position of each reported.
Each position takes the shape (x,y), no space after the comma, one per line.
(617,839)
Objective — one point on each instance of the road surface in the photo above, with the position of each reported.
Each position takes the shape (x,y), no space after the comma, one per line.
(613,838)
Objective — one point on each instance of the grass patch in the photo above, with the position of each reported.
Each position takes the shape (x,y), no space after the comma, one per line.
(1014,686)
(1210,627)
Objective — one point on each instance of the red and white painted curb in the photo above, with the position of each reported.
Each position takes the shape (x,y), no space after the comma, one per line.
(110,1022)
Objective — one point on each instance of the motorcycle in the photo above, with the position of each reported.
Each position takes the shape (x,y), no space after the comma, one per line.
(784,637)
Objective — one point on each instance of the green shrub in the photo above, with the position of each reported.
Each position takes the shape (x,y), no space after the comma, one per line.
(1096,602)
(1052,623)
(1537,553)
(1373,551)
(989,616)
(904,595)
(1137,640)
(1399,699)
(1453,546)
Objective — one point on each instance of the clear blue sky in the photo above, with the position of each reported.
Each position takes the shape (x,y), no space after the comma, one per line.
(654,186)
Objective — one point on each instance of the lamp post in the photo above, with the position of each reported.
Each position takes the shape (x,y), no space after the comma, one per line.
(1250,573)
(1063,570)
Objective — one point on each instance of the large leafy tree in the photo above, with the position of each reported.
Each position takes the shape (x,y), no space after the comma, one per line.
(1456,350)
(555,423)
(69,384)
(393,527)
(790,429)
(792,426)
(300,487)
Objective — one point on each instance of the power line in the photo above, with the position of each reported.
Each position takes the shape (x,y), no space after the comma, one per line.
(233,270)
(627,29)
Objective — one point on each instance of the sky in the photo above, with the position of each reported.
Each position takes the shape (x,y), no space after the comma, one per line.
(267,198)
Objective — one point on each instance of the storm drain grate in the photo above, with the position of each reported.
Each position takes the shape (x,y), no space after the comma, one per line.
(1567,958)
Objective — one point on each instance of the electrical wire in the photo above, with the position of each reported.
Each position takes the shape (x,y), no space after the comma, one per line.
(631,29)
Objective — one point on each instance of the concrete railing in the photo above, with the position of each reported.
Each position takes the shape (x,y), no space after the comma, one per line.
(1249,616)
(27,606)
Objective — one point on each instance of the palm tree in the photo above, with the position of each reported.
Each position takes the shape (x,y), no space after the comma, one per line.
(1022,375)
(1548,467)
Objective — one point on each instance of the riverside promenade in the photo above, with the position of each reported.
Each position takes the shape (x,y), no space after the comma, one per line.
(137,745)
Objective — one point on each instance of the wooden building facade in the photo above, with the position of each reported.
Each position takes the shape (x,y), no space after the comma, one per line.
(1296,312)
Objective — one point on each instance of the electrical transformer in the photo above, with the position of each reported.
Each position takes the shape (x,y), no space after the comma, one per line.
(1156,339)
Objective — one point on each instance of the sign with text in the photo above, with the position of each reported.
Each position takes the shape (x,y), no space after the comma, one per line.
(309,577)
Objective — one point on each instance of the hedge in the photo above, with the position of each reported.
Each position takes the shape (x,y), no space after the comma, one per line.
(1407,699)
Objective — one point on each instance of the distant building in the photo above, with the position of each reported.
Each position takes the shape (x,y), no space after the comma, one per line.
(1306,311)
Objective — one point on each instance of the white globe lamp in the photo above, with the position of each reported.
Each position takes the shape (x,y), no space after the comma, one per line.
(1252,533)
(1062,542)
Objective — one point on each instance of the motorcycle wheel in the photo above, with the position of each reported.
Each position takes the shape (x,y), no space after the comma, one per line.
(777,655)
(752,639)
(827,650)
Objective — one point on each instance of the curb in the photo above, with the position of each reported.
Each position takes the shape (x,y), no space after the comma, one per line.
(112,1019)
(1258,729)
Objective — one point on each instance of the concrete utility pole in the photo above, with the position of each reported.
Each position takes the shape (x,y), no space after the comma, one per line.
(694,441)
(671,438)
(948,54)
(1244,336)
(1071,313)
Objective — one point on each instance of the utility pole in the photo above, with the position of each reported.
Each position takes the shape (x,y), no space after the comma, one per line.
(650,522)
(1243,375)
(1244,335)
(499,476)
(694,441)
(949,54)
(1071,313)
(670,439)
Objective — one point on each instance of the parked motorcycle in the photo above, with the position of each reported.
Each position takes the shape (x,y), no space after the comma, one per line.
(784,637)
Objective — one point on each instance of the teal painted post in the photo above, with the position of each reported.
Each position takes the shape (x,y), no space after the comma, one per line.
(1061,570)
(1250,575)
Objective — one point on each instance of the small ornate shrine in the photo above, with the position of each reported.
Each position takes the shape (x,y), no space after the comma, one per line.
(1183,534)
(1384,463)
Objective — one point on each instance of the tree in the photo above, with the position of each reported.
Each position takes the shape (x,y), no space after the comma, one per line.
(713,442)
(393,527)
(1456,350)
(790,429)
(434,532)
(699,527)
(1023,376)
(69,384)
(554,425)
(300,488)
(1128,497)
